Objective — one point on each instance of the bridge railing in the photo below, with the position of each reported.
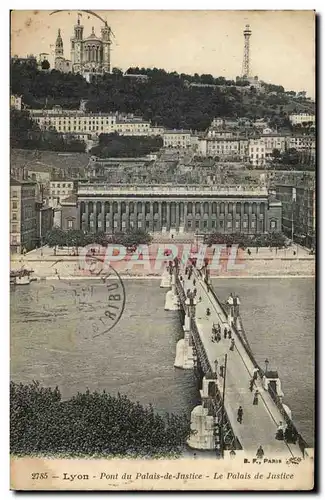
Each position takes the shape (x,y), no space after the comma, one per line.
(180,289)
(242,341)
(208,368)
(261,372)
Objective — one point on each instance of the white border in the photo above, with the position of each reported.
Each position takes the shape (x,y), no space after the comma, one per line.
(4,266)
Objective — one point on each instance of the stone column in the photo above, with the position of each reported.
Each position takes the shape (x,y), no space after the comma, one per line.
(111,218)
(127,215)
(234,218)
(118,220)
(177,216)
(86,216)
(210,215)
(218,217)
(258,220)
(250,217)
(151,221)
(242,211)
(159,215)
(103,217)
(185,216)
(168,216)
(225,223)
(95,216)
(143,215)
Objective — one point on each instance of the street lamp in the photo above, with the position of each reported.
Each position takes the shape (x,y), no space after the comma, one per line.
(222,443)
(266,364)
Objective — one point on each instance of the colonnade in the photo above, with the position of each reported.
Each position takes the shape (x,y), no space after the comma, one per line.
(180,216)
(93,53)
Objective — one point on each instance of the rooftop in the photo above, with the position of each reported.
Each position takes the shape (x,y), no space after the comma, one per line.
(170,190)
(72,199)
(177,132)
(15,182)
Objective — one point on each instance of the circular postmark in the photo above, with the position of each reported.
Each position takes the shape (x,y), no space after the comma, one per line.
(98,297)
(114,302)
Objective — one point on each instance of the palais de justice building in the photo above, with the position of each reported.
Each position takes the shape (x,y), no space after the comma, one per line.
(166,208)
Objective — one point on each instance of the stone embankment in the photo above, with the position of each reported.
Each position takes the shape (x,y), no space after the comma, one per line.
(254,266)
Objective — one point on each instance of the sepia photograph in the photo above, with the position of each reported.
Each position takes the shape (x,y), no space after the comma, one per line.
(162,250)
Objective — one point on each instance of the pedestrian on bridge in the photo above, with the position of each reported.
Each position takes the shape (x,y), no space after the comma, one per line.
(260,452)
(251,385)
(280,432)
(240,415)
(225,332)
(255,372)
(195,291)
(208,312)
(194,282)
(218,336)
(255,400)
(232,345)
(229,334)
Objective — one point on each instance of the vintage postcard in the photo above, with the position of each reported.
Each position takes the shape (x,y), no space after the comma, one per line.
(162,244)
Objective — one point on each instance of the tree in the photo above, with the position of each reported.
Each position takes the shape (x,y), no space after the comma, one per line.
(45,65)
(90,424)
(56,237)
(276,155)
(75,238)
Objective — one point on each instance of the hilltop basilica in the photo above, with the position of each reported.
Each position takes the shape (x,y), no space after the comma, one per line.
(89,56)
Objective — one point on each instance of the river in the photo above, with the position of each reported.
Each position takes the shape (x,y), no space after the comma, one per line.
(52,341)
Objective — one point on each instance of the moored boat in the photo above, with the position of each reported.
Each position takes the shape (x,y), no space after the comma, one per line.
(21,277)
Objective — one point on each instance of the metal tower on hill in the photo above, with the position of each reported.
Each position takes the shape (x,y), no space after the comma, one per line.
(246,59)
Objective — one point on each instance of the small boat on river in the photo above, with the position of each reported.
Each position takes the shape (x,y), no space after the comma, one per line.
(21,277)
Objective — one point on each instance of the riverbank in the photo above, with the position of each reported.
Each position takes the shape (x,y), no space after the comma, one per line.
(70,268)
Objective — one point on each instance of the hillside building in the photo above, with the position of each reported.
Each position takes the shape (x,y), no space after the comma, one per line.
(90,56)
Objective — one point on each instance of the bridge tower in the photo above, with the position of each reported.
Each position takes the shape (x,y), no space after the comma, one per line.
(233,310)
(184,347)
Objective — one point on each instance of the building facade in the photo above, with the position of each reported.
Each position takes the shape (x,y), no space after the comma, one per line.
(16,102)
(90,56)
(69,213)
(164,208)
(298,198)
(300,118)
(23,216)
(77,122)
(274,141)
(59,190)
(88,126)
(180,139)
(256,152)
(44,221)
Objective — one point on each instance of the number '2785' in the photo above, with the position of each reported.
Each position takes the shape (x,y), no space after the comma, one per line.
(39,475)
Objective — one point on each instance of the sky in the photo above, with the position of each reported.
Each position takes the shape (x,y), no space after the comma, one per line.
(188,41)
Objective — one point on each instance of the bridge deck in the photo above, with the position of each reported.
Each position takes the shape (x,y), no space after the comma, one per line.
(260,421)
